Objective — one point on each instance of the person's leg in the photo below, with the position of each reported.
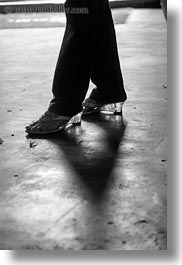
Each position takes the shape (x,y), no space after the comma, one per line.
(82,54)
(105,72)
(164,7)
(72,73)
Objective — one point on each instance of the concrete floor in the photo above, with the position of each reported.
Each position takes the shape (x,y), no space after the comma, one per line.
(99,186)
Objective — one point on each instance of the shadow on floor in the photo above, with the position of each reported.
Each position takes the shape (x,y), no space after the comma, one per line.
(92,152)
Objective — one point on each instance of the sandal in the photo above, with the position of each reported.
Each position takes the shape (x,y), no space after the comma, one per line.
(91,106)
(50,122)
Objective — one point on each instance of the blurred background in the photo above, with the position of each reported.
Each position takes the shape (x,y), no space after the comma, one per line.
(46,13)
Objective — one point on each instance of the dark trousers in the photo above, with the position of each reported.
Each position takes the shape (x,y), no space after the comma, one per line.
(88,51)
(164,7)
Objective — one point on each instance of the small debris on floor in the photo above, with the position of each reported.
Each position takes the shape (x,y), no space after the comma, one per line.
(16,176)
(142,222)
(9,110)
(12,134)
(1,141)
(121,186)
(32,144)
(80,142)
(164,86)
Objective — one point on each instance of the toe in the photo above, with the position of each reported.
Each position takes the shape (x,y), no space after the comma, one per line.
(31,125)
(34,129)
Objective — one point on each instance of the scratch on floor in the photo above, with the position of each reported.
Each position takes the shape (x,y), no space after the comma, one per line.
(62,217)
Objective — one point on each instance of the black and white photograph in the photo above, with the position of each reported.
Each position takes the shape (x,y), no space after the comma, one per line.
(83,125)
